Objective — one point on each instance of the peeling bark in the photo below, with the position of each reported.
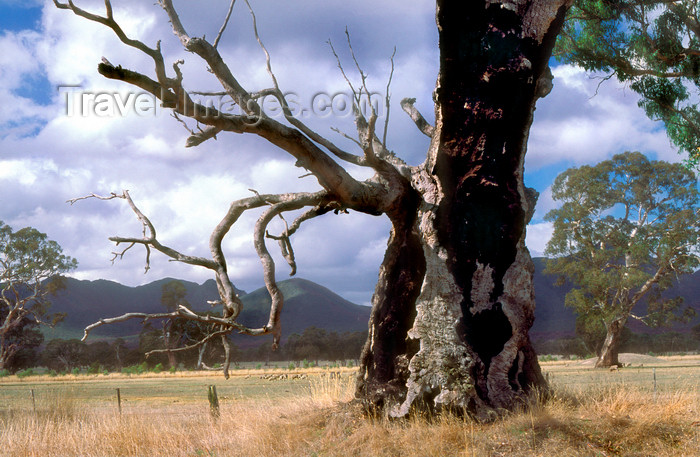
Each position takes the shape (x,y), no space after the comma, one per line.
(468,348)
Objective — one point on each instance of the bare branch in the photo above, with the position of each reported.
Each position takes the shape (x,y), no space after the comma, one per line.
(417,117)
(200,137)
(363,76)
(109,21)
(227,355)
(217,65)
(181,312)
(126,317)
(223,27)
(268,66)
(277,93)
(387,99)
(285,246)
(99,197)
(345,135)
(296,202)
(341,190)
(148,240)
(199,343)
(342,70)
(330,174)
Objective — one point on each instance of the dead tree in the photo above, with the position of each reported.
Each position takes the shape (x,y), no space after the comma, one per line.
(454,300)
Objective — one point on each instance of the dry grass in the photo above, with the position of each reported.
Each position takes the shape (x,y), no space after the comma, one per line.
(613,420)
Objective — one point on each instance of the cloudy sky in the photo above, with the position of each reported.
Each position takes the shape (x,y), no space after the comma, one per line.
(57,144)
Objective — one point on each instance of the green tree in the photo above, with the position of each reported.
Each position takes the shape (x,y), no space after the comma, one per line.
(172,296)
(27,337)
(120,349)
(696,332)
(653,46)
(62,354)
(626,228)
(30,269)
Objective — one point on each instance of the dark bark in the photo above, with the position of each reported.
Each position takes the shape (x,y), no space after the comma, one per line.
(455,301)
(385,356)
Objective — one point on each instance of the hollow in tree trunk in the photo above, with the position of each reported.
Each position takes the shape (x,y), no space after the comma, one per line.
(454,302)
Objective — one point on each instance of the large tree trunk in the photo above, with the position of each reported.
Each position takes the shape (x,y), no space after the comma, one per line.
(3,359)
(7,351)
(169,343)
(609,350)
(454,302)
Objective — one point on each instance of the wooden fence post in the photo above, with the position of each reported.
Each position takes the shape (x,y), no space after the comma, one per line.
(213,402)
(119,400)
(33,402)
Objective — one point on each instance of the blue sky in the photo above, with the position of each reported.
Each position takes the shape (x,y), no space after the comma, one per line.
(49,155)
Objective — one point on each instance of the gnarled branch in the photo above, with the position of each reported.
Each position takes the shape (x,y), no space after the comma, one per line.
(407,104)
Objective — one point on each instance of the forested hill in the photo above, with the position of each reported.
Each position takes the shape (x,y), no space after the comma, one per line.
(306,304)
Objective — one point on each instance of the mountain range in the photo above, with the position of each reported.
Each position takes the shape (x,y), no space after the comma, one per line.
(306,304)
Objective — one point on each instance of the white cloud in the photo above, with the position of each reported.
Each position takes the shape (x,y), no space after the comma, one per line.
(19,68)
(581,122)
(538,235)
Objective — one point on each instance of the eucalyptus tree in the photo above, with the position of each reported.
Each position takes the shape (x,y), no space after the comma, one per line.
(172,296)
(31,266)
(454,300)
(626,229)
(654,47)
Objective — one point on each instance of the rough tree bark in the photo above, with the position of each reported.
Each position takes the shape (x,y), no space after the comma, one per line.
(609,351)
(454,300)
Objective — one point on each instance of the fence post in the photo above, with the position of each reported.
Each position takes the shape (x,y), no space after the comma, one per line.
(213,402)
(119,400)
(33,402)
(654,371)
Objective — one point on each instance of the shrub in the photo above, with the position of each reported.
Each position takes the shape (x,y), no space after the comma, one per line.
(136,369)
(158,368)
(25,373)
(4,373)
(75,371)
(172,370)
(94,368)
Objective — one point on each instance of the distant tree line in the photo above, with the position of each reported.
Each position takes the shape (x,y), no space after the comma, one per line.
(640,343)
(67,355)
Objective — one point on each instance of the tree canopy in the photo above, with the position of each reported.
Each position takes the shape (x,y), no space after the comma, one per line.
(626,229)
(653,46)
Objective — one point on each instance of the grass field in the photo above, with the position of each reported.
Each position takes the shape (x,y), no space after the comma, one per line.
(592,413)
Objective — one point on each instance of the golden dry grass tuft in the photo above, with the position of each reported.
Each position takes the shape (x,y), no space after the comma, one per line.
(613,420)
